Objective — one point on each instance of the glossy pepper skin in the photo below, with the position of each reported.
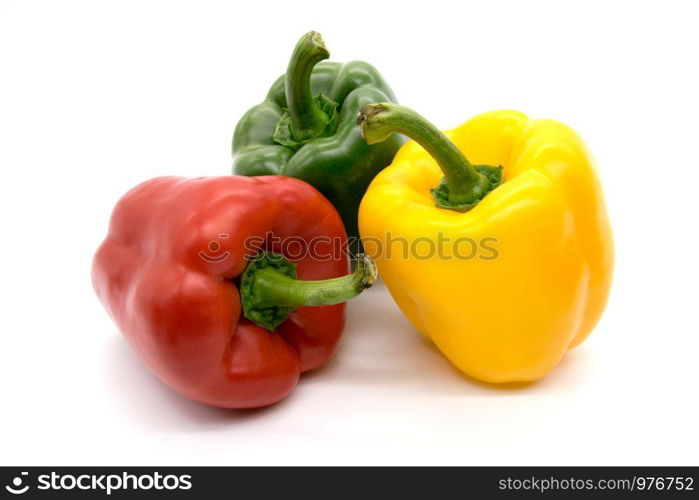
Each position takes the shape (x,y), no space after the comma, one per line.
(325,149)
(169,274)
(503,315)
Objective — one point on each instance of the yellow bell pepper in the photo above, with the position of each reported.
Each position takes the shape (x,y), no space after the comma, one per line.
(506,273)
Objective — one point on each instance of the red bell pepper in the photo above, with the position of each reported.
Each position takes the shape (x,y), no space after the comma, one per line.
(177,274)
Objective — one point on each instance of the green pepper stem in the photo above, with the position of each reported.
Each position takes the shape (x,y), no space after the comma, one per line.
(274,288)
(305,116)
(378,121)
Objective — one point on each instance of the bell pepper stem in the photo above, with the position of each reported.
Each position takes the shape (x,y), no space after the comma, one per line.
(280,290)
(378,121)
(306,116)
(270,291)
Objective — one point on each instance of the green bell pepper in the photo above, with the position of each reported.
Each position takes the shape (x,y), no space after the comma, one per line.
(306,128)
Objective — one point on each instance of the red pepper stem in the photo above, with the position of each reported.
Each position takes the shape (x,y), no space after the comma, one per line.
(378,121)
(305,116)
(277,289)
(269,290)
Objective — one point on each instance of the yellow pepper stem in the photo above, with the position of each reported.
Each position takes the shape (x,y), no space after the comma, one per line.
(464,184)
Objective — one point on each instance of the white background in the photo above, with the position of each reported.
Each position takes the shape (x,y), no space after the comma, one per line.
(96,97)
